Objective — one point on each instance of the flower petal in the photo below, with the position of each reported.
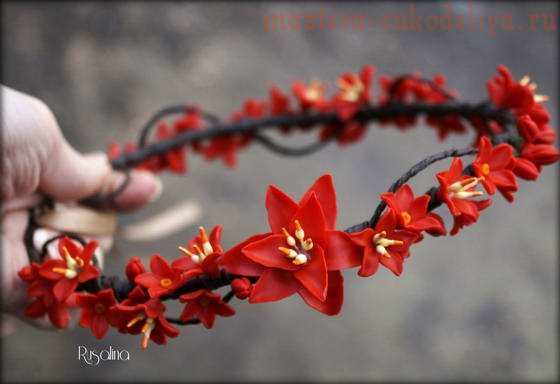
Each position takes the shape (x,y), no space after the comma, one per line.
(326,194)
(313,275)
(340,251)
(159,266)
(335,295)
(370,262)
(99,326)
(63,288)
(311,218)
(280,208)
(265,252)
(235,262)
(273,285)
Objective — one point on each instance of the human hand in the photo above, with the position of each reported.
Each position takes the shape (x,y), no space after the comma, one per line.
(37,160)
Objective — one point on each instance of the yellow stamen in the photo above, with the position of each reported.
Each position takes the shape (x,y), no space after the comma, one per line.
(186,251)
(62,271)
(138,318)
(307,244)
(289,239)
(406,217)
(299,259)
(288,252)
(300,234)
(540,98)
(485,168)
(314,91)
(165,282)
(206,246)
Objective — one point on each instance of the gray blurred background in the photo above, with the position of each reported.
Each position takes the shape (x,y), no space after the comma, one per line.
(481,305)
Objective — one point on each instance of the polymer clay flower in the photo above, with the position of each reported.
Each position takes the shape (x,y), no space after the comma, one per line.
(456,191)
(384,244)
(96,311)
(75,267)
(412,212)
(493,165)
(204,305)
(303,254)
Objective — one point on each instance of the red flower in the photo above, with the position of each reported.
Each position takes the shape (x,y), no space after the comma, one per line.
(241,287)
(175,159)
(44,302)
(96,311)
(202,253)
(540,154)
(133,268)
(311,96)
(279,102)
(354,91)
(412,213)
(140,314)
(384,244)
(163,279)
(204,305)
(76,267)
(505,92)
(455,191)
(493,167)
(304,253)
(534,133)
(348,133)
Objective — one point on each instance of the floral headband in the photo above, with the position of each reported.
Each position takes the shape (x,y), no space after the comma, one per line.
(303,251)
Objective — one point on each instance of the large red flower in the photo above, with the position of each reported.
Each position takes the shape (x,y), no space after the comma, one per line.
(201,253)
(303,253)
(163,279)
(412,213)
(75,267)
(204,305)
(456,190)
(141,314)
(493,167)
(385,244)
(96,311)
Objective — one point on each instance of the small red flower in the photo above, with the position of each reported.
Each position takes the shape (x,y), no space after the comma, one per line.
(540,154)
(533,132)
(493,167)
(96,311)
(412,213)
(201,253)
(241,287)
(163,279)
(75,267)
(303,254)
(279,102)
(133,268)
(505,92)
(141,314)
(354,91)
(175,159)
(311,96)
(204,305)
(384,244)
(455,191)
(44,303)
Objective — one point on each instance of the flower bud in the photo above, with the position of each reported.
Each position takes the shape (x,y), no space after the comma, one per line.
(241,287)
(134,267)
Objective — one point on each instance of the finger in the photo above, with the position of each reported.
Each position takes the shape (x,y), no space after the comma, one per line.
(73,176)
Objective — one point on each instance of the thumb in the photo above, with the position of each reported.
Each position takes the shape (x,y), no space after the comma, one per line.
(70,175)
